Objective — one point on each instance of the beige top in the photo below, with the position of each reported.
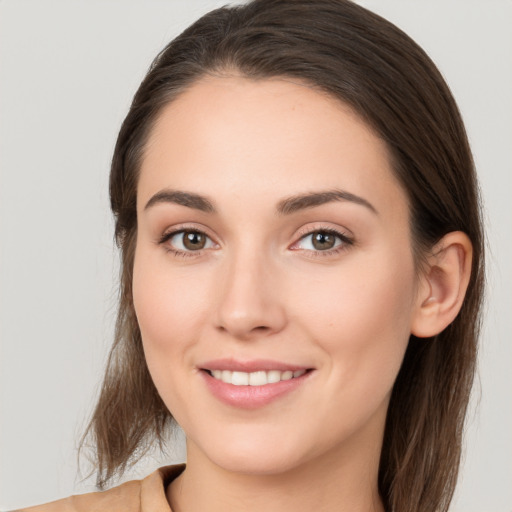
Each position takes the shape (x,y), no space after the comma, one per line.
(147,495)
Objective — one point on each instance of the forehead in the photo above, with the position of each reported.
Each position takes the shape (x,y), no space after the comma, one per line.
(236,137)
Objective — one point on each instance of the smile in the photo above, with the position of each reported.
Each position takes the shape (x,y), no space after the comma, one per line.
(253,384)
(258,378)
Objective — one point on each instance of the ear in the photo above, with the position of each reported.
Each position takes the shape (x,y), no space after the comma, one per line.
(443,285)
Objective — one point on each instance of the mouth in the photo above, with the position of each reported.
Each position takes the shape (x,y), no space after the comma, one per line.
(253,384)
(257,378)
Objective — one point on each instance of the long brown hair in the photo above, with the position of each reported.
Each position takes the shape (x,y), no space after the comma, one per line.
(371,65)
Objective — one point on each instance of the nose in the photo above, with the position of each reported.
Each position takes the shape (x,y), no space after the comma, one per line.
(249,304)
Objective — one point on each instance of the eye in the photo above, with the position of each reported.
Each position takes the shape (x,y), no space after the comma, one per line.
(187,240)
(323,240)
(320,241)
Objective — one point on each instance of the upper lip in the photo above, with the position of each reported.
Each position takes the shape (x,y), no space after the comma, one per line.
(253,365)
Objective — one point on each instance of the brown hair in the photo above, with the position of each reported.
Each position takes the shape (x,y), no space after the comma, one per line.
(371,65)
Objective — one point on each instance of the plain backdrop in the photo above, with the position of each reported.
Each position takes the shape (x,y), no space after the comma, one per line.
(68,70)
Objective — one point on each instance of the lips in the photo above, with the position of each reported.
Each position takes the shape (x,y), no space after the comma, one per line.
(252,384)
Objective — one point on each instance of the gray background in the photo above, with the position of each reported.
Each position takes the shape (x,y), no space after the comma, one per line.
(68,71)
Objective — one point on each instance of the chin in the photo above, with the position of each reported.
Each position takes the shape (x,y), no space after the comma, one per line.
(263,463)
(256,454)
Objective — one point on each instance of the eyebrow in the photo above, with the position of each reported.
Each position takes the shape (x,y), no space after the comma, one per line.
(310,200)
(284,207)
(188,199)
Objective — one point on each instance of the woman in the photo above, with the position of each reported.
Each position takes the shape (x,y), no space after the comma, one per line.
(298,216)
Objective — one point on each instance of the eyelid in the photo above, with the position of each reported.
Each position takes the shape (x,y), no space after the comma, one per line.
(169,233)
(345,236)
(342,232)
(178,228)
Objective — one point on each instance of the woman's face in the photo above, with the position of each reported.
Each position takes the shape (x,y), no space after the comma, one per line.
(273,242)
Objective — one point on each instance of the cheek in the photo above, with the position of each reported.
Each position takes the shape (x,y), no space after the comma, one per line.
(170,313)
(169,308)
(362,319)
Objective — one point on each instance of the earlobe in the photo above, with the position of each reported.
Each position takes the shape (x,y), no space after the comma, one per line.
(443,285)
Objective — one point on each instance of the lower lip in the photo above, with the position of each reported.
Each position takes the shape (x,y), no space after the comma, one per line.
(251,397)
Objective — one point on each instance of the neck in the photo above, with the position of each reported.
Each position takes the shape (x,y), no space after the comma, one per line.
(339,481)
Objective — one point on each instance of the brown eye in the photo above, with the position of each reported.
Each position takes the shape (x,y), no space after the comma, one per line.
(188,241)
(193,240)
(322,240)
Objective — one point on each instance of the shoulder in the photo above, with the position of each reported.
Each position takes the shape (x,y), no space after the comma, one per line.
(134,496)
(125,497)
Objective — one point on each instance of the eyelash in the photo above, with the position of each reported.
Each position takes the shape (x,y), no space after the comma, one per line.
(346,241)
(176,252)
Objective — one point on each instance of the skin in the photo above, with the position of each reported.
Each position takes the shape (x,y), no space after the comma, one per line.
(261,290)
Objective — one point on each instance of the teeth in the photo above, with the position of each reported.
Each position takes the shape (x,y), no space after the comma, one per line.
(273,376)
(240,379)
(259,378)
(287,375)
